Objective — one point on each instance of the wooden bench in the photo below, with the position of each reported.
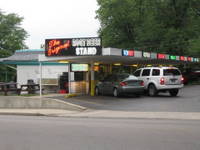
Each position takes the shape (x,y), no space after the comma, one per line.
(9,86)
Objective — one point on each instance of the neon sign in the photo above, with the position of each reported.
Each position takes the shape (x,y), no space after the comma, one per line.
(73,47)
(55,47)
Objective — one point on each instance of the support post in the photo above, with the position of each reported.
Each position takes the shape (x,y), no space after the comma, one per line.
(40,71)
(92,84)
(69,79)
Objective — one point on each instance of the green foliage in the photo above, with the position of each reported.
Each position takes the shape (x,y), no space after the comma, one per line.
(166,26)
(12,37)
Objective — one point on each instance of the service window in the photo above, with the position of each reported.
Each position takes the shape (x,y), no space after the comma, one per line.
(137,73)
(78,76)
(156,72)
(146,72)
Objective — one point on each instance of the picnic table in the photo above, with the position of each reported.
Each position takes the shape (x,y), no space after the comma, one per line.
(30,88)
(9,86)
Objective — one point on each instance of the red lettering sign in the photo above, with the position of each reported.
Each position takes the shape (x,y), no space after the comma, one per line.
(131,53)
(182,58)
(161,56)
(189,59)
(55,47)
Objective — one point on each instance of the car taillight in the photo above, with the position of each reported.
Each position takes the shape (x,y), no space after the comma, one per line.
(123,83)
(182,80)
(162,81)
(142,83)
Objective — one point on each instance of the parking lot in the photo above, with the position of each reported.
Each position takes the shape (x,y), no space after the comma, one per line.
(188,100)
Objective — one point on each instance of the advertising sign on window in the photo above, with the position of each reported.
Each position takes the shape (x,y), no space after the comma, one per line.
(79,67)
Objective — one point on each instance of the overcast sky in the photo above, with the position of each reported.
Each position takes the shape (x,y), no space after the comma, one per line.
(45,19)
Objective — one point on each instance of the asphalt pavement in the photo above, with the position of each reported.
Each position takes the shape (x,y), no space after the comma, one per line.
(185,106)
(188,100)
(52,133)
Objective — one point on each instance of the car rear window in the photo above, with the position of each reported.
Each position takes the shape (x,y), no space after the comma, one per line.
(122,76)
(174,72)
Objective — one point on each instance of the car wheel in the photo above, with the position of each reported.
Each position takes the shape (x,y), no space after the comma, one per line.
(97,93)
(116,93)
(152,91)
(173,92)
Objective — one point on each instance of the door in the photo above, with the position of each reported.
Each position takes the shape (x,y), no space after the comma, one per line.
(145,76)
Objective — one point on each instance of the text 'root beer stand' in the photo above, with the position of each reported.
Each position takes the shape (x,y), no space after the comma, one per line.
(80,74)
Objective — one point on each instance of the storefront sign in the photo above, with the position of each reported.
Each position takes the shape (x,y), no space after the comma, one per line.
(128,53)
(146,54)
(161,56)
(172,57)
(153,55)
(182,58)
(185,58)
(167,56)
(189,59)
(79,67)
(196,59)
(138,54)
(73,47)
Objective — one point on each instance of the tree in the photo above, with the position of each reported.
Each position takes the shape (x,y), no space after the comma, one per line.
(12,36)
(167,26)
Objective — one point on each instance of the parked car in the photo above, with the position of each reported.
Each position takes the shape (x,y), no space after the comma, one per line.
(191,76)
(160,79)
(119,84)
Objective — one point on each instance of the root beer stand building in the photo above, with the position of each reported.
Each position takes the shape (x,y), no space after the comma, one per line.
(88,61)
(74,52)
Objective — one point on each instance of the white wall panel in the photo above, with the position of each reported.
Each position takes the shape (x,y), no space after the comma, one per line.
(26,72)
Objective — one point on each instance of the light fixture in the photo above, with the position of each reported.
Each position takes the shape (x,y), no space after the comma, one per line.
(149,65)
(117,64)
(96,63)
(63,61)
(134,65)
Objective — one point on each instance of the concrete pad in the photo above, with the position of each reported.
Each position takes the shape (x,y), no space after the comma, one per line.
(16,102)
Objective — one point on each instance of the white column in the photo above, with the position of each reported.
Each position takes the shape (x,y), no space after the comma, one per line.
(40,71)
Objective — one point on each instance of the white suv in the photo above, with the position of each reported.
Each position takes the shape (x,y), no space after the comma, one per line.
(160,79)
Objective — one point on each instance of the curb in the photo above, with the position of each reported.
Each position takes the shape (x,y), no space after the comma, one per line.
(135,115)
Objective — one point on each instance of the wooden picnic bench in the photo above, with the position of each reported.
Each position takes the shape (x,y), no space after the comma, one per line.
(30,88)
(9,86)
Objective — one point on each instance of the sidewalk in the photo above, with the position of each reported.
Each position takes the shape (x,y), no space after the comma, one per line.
(102,114)
(34,106)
